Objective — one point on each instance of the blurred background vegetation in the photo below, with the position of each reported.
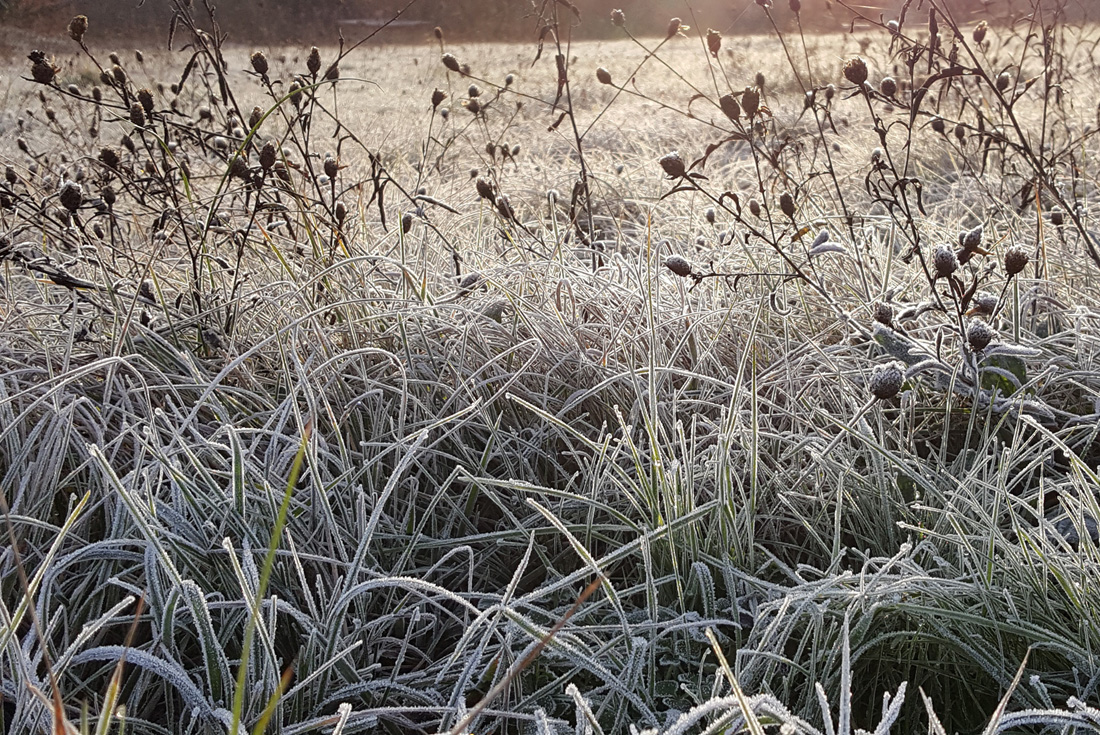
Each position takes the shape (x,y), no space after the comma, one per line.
(321,21)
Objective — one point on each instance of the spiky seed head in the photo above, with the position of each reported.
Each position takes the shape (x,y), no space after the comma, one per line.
(984,303)
(673,165)
(714,42)
(674,26)
(259,63)
(759,80)
(730,106)
(939,125)
(786,204)
(979,334)
(1003,80)
(437,97)
(78,26)
(313,61)
(109,157)
(888,87)
(137,114)
(886,380)
(71,196)
(979,31)
(406,223)
(972,240)
(944,261)
(884,313)
(603,75)
(679,265)
(451,62)
(145,97)
(268,156)
(340,211)
(1016,259)
(754,208)
(855,71)
(485,189)
(1057,217)
(750,101)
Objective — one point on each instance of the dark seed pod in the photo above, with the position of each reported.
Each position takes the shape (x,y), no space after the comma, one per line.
(603,75)
(43,72)
(118,75)
(618,19)
(255,117)
(145,97)
(960,133)
(473,106)
(437,98)
(451,62)
(754,208)
(939,125)
(268,156)
(137,114)
(888,87)
(238,168)
(259,63)
(406,223)
(750,101)
(1057,217)
(972,240)
(759,80)
(10,176)
(884,313)
(332,73)
(1004,79)
(855,71)
(673,165)
(678,265)
(886,380)
(313,62)
(331,167)
(78,26)
(107,194)
(796,6)
(714,42)
(138,56)
(730,106)
(674,25)
(980,31)
(109,157)
(71,196)
(1016,259)
(341,213)
(944,261)
(485,190)
(979,334)
(97,94)
(786,204)
(983,303)
(473,91)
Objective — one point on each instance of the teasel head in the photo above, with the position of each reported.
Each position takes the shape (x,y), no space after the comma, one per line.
(887,380)
(673,165)
(679,265)
(1016,259)
(78,26)
(714,42)
(259,63)
(313,61)
(730,106)
(855,71)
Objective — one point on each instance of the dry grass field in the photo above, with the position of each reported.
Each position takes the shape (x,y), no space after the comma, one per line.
(678,385)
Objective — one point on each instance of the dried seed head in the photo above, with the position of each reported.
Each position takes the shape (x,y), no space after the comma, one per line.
(438,33)
(1057,217)
(786,204)
(341,213)
(830,92)
(140,57)
(509,80)
(944,261)
(332,73)
(894,27)
(146,290)
(73,90)
(331,166)
(145,97)
(980,31)
(137,114)
(10,176)
(78,26)
(313,61)
(42,71)
(473,91)
(451,62)
(114,58)
(886,380)
(107,194)
(972,240)
(109,157)
(710,215)
(470,281)
(674,27)
(730,106)
(504,207)
(71,196)
(855,71)
(754,208)
(884,313)
(603,75)
(1016,259)
(259,63)
(97,94)
(206,114)
(118,74)
(473,106)
(759,80)
(238,168)
(294,91)
(515,151)
(983,303)
(673,165)
(437,97)
(618,18)
(255,117)
(714,42)
(268,156)
(939,125)
(877,154)
(888,87)
(960,132)
(678,265)
(979,334)
(1003,80)
(406,223)
(750,101)
(128,143)
(485,189)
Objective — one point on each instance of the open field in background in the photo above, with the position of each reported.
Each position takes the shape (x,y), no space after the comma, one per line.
(449,391)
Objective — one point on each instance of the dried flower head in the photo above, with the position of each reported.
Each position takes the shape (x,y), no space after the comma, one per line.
(71,196)
(972,240)
(673,165)
(259,63)
(939,125)
(983,304)
(944,261)
(674,27)
(268,156)
(255,117)
(331,167)
(710,215)
(145,97)
(78,26)
(750,101)
(451,62)
(1016,259)
(437,97)
(886,380)
(118,74)
(714,42)
(473,106)
(855,71)
(980,31)
(888,87)
(485,189)
(109,157)
(406,223)
(786,204)
(603,75)
(979,334)
(340,211)
(754,208)
(509,80)
(759,80)
(473,91)
(884,313)
(137,114)
(313,61)
(42,70)
(678,265)
(618,19)
(730,106)
(960,132)
(238,168)
(1057,217)
(1004,79)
